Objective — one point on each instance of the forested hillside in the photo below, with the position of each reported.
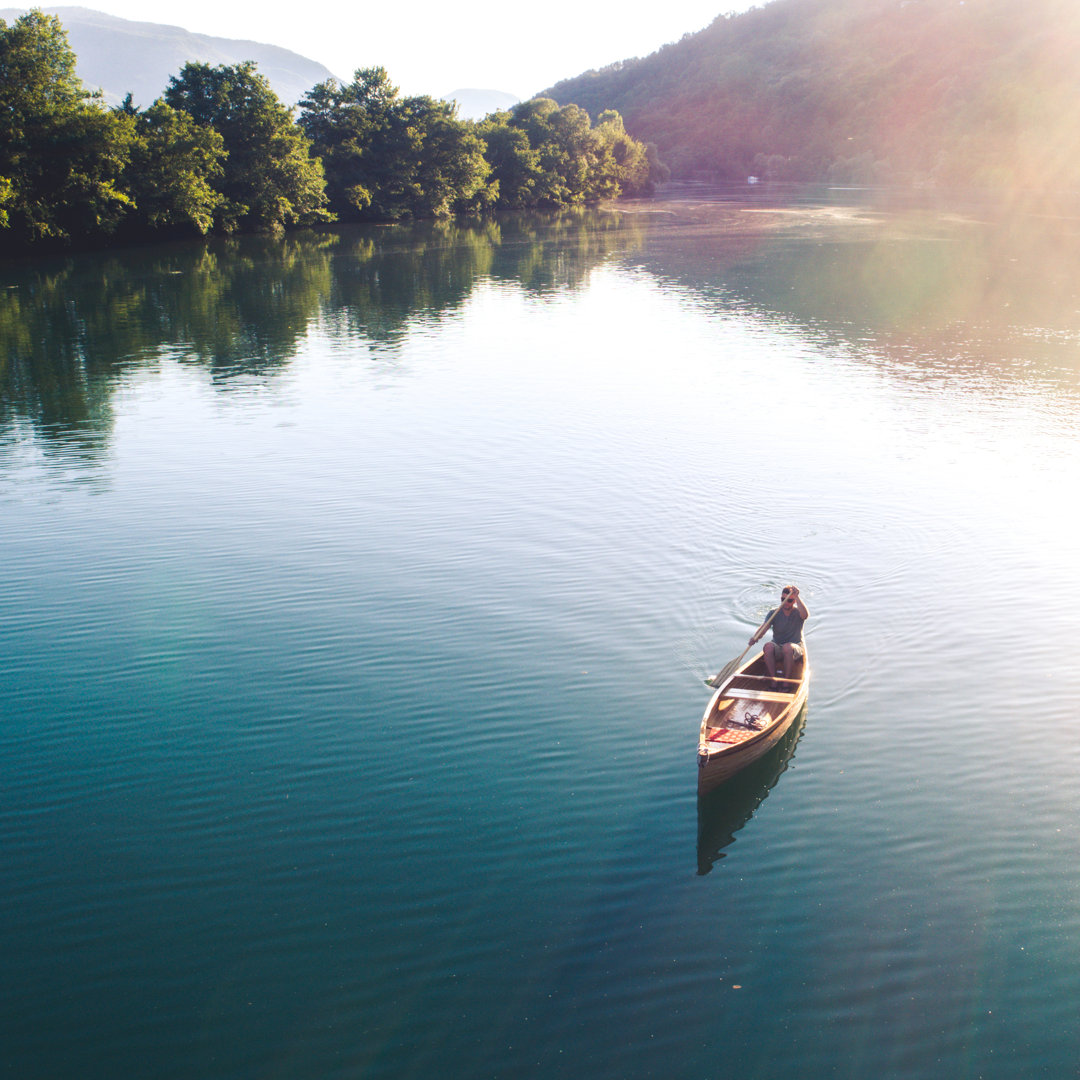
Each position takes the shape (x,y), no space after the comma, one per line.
(946,91)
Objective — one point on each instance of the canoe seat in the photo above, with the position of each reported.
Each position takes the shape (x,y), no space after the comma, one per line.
(764,678)
(758,695)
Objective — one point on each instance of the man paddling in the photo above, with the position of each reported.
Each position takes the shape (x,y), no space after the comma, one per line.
(787,623)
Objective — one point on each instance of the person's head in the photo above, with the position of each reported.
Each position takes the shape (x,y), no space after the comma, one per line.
(787,597)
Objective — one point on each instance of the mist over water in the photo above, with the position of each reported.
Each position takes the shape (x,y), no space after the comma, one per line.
(356,590)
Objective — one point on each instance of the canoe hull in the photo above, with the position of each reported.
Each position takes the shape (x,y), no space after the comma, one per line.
(745,719)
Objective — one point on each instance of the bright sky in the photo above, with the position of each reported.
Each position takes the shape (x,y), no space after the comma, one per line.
(435,46)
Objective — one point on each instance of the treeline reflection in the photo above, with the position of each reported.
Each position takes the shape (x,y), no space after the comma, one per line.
(931,295)
(71,328)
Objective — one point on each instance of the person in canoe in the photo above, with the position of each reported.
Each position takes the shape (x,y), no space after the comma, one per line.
(787,624)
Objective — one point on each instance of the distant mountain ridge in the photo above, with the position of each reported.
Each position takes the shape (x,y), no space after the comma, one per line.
(119,56)
(861,91)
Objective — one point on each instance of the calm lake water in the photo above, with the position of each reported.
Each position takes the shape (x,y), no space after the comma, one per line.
(356,591)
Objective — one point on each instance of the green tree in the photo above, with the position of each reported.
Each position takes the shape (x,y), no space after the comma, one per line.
(515,165)
(61,152)
(7,198)
(560,144)
(174,165)
(388,157)
(624,165)
(349,128)
(450,173)
(544,155)
(270,179)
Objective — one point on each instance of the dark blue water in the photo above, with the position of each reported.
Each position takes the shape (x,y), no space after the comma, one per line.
(355,594)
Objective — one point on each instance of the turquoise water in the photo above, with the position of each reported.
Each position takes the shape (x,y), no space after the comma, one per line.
(355,595)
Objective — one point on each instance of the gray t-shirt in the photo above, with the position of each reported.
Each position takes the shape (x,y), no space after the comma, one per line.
(787,628)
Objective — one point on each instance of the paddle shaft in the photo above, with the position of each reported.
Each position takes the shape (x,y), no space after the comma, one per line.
(758,634)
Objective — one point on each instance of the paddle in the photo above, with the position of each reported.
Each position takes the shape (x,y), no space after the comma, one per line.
(729,669)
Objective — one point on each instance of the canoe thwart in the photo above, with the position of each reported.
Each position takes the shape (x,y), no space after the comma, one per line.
(758,695)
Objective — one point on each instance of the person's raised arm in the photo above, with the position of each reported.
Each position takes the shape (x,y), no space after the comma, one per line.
(800,607)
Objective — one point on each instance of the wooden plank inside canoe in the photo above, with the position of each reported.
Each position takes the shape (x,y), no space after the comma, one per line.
(759,695)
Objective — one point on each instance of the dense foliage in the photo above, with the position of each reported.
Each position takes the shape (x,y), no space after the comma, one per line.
(269,178)
(61,154)
(220,152)
(545,155)
(860,91)
(389,157)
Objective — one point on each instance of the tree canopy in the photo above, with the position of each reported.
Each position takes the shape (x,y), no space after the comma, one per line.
(388,157)
(269,178)
(175,164)
(61,154)
(220,152)
(544,155)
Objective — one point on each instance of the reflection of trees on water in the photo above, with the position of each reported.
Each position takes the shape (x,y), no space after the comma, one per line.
(243,308)
(933,293)
(385,279)
(546,253)
(71,329)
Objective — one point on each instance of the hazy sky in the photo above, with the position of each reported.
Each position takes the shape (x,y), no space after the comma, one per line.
(432,47)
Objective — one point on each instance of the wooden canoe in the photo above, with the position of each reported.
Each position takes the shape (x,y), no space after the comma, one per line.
(746,717)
